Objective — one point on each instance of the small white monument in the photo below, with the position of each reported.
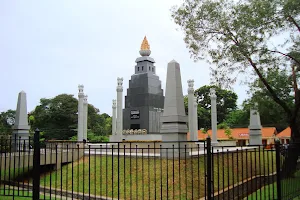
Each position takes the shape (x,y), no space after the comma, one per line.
(85,117)
(80,128)
(255,127)
(21,127)
(213,98)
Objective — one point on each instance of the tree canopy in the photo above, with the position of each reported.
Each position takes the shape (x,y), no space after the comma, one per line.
(238,36)
(248,37)
(7,119)
(57,118)
(226,102)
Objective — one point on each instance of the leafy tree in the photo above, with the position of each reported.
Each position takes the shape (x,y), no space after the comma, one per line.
(57,118)
(226,102)
(270,113)
(7,120)
(236,35)
(92,137)
(238,118)
(226,128)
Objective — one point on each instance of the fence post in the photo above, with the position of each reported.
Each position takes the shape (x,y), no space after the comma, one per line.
(209,168)
(278,175)
(36,165)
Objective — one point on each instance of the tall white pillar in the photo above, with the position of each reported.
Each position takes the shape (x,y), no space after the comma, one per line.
(255,136)
(213,98)
(191,108)
(80,113)
(85,118)
(114,117)
(195,120)
(120,107)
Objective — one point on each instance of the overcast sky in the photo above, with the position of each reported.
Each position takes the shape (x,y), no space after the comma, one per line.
(49,47)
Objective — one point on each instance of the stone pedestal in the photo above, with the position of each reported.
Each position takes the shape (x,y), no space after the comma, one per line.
(174,143)
(21,128)
(174,121)
(115,138)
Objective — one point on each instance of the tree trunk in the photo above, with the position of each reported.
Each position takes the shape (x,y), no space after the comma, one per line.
(290,156)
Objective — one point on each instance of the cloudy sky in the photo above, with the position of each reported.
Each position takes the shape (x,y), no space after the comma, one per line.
(49,47)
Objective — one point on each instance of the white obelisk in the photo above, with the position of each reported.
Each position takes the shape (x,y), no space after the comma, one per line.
(21,127)
(85,118)
(120,107)
(114,117)
(174,120)
(213,98)
(80,114)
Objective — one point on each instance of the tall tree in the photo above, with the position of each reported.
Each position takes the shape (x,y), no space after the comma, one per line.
(57,118)
(7,120)
(237,34)
(238,118)
(271,114)
(226,102)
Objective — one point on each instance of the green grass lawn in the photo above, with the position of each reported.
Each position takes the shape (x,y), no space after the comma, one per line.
(12,173)
(155,177)
(289,187)
(21,195)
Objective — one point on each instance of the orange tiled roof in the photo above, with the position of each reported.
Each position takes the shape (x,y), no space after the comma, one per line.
(285,133)
(236,133)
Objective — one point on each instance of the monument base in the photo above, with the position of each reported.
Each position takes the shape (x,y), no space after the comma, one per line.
(115,138)
(174,145)
(145,137)
(214,143)
(255,140)
(20,140)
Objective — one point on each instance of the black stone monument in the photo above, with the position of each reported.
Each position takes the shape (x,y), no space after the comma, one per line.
(144,96)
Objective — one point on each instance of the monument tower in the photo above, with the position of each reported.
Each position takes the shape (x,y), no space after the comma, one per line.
(144,95)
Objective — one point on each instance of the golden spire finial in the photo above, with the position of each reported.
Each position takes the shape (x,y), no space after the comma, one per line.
(145,45)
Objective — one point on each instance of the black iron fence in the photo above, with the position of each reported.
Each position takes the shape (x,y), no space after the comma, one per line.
(144,170)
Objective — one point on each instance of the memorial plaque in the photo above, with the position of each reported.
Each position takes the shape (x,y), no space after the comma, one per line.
(134,114)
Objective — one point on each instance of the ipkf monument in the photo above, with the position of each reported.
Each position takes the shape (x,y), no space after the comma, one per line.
(142,116)
(144,96)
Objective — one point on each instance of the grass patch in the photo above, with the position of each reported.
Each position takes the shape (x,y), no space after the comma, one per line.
(138,178)
(289,187)
(18,195)
(13,173)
